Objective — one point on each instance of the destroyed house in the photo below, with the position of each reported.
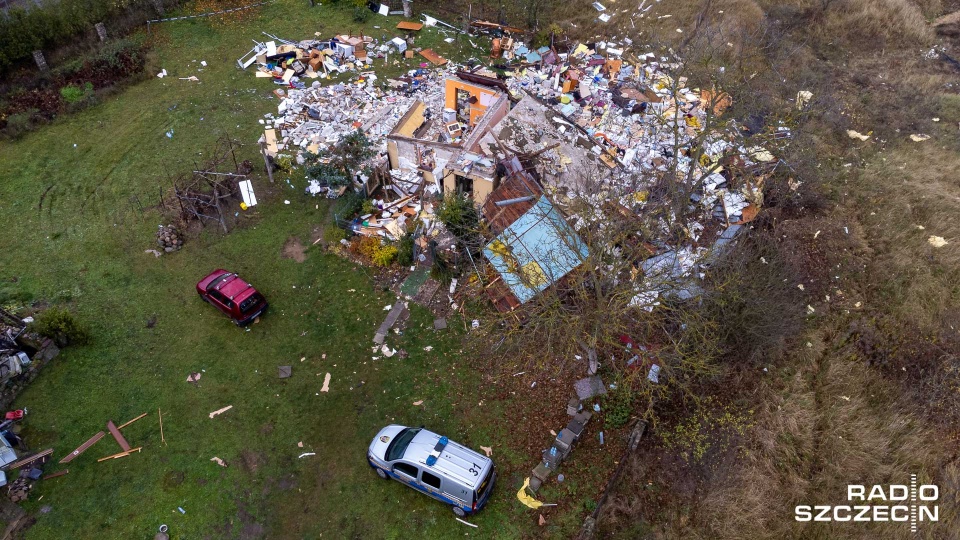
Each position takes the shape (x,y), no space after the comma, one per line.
(534,246)
(439,138)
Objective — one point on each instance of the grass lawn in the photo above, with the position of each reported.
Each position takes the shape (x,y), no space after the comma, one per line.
(85,248)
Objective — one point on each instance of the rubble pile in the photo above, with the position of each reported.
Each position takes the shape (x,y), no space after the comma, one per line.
(316,118)
(169,238)
(637,114)
(603,125)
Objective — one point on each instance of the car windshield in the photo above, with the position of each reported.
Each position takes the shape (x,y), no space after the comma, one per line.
(400,443)
(250,303)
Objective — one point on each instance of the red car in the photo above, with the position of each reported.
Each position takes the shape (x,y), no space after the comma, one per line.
(233,296)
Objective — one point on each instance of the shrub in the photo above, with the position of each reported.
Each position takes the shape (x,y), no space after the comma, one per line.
(348,206)
(618,406)
(385,255)
(367,207)
(284,163)
(405,250)
(61,326)
(75,94)
(460,215)
(20,123)
(362,14)
(379,252)
(442,270)
(333,234)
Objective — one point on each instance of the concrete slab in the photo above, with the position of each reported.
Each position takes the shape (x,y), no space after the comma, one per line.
(589,387)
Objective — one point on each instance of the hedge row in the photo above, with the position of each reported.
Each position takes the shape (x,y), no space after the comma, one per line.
(26,30)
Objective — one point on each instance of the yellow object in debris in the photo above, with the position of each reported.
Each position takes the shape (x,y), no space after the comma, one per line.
(243,206)
(641,196)
(693,121)
(857,135)
(760,153)
(527,500)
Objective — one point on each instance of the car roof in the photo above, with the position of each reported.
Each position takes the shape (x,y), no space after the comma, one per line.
(454,461)
(232,287)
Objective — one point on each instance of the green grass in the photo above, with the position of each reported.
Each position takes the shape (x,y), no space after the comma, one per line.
(102,170)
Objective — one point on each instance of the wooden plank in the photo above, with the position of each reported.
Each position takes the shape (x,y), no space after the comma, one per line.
(54,475)
(406,25)
(116,435)
(131,421)
(121,454)
(83,447)
(30,459)
(433,57)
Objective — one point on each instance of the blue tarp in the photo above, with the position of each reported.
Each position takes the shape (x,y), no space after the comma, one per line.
(536,250)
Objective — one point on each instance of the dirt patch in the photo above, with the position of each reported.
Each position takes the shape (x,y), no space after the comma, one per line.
(250,461)
(293,249)
(266,429)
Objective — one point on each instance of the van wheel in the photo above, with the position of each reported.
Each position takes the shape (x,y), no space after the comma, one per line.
(457,511)
(382,473)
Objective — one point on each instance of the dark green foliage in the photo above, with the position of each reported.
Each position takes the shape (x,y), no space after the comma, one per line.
(618,406)
(362,14)
(19,124)
(348,206)
(333,234)
(442,270)
(405,250)
(459,213)
(54,24)
(335,167)
(327,174)
(61,326)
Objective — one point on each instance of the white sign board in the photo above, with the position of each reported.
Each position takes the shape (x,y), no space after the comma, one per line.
(246,191)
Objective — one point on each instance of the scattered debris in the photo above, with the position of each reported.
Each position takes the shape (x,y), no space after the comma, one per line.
(487,450)
(467,523)
(285,372)
(193,377)
(418,403)
(121,454)
(857,135)
(937,241)
(221,411)
(305,454)
(919,137)
(326,383)
(218,461)
(83,447)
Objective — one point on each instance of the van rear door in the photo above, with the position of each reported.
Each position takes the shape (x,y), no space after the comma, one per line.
(484,488)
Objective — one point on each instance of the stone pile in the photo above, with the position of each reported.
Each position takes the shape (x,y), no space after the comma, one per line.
(169,238)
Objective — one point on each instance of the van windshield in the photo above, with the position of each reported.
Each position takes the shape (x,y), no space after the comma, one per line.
(400,443)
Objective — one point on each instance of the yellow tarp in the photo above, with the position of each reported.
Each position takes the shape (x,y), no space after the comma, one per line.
(527,499)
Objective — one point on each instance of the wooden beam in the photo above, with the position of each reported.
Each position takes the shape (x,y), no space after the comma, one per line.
(54,475)
(30,459)
(131,421)
(121,454)
(83,447)
(116,435)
